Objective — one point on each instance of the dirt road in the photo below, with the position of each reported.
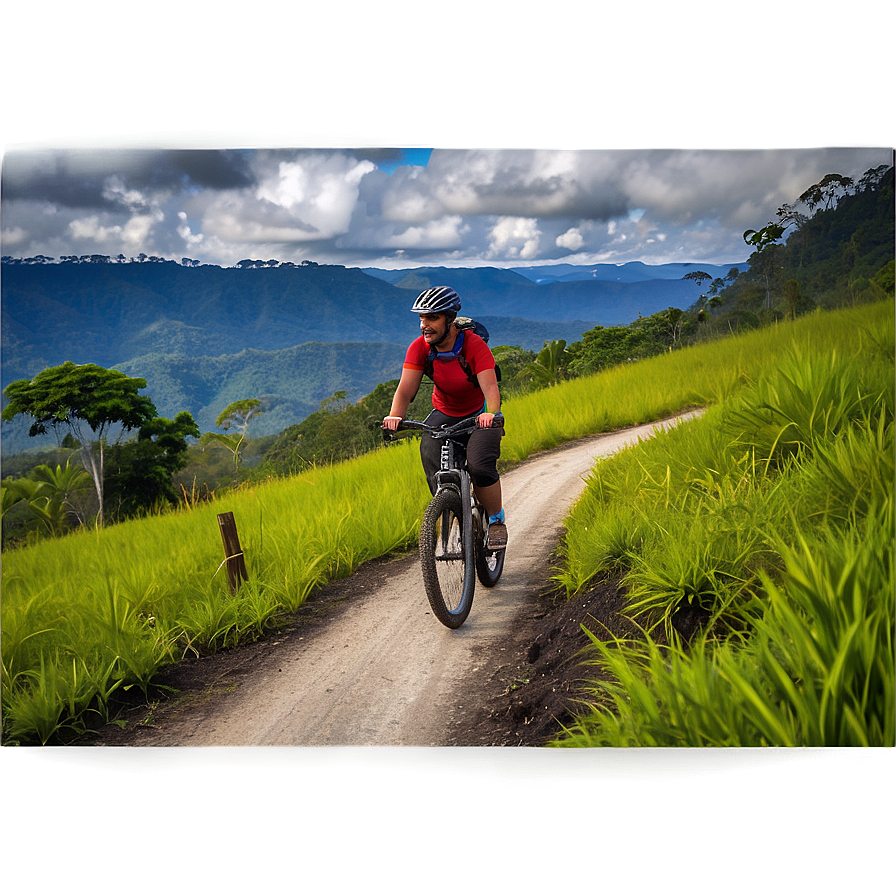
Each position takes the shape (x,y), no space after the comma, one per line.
(377,668)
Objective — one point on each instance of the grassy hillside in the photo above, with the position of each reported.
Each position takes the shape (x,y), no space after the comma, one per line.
(85,615)
(768,525)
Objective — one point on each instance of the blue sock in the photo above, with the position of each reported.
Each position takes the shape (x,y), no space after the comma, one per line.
(497,517)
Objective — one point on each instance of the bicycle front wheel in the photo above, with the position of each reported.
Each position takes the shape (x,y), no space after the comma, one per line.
(446,555)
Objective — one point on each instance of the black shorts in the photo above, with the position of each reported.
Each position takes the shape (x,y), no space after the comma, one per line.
(483,451)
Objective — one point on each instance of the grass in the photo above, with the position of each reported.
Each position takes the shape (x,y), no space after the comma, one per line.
(774,515)
(95,612)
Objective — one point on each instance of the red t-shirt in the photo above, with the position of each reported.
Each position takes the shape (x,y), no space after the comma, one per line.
(454,394)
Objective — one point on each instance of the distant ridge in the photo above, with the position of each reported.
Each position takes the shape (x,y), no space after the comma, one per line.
(203,335)
(629,272)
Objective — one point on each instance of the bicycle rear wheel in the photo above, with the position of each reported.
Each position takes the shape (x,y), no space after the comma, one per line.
(446,555)
(489,564)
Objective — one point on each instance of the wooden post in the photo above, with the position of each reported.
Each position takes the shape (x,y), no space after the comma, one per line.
(233,553)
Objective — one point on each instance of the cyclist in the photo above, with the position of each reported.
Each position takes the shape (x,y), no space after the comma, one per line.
(455,396)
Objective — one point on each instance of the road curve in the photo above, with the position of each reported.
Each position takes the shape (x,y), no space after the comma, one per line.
(384,671)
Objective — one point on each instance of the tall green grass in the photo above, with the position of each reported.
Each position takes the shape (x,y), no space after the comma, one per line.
(93,613)
(98,611)
(816,670)
(772,517)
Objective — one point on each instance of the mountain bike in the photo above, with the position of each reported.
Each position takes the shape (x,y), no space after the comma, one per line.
(454,529)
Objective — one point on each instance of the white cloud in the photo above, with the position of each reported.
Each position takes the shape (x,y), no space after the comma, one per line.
(572,239)
(114,190)
(445,233)
(136,231)
(318,193)
(514,238)
(13,236)
(185,232)
(89,228)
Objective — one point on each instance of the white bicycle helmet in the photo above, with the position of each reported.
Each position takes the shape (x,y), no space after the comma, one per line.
(437,300)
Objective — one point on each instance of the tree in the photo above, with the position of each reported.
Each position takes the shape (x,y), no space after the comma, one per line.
(237,414)
(78,398)
(140,471)
(673,318)
(763,239)
(871,179)
(603,347)
(827,190)
(550,364)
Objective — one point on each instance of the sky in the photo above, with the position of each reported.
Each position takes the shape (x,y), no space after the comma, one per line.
(588,135)
(397,208)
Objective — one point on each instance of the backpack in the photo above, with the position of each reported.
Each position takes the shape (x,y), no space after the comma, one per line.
(463,324)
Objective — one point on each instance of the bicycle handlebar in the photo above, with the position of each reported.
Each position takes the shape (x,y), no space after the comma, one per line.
(468,424)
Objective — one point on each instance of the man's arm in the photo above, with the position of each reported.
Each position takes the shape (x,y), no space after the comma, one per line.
(404,395)
(488,382)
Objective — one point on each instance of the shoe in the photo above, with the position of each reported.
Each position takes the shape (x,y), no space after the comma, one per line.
(496,538)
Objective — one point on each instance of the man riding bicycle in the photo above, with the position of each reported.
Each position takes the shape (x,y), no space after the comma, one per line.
(456,395)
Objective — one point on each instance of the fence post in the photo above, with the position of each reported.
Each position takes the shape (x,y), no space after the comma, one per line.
(233,553)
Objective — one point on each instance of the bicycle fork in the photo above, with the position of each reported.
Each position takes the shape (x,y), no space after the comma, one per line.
(454,476)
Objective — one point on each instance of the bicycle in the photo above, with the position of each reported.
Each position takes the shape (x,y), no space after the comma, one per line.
(454,529)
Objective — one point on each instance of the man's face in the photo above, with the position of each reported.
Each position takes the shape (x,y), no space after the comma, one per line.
(434,328)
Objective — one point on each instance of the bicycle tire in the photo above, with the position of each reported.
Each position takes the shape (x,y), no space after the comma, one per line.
(489,564)
(449,567)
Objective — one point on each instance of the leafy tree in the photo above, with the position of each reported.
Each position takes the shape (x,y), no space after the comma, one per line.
(762,259)
(603,347)
(827,190)
(86,401)
(885,278)
(513,361)
(237,414)
(872,178)
(139,473)
(793,298)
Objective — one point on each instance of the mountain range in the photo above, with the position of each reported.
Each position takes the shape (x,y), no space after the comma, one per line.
(203,336)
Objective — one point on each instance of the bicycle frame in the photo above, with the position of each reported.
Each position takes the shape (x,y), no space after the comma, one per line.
(453,474)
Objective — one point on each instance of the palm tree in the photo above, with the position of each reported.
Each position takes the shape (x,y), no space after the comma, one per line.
(549,366)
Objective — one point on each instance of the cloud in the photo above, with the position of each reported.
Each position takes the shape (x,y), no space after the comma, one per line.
(12,237)
(572,239)
(462,206)
(514,238)
(82,178)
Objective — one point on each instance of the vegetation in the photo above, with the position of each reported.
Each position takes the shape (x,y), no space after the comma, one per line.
(140,473)
(91,404)
(237,414)
(768,524)
(758,522)
(81,398)
(833,246)
(147,592)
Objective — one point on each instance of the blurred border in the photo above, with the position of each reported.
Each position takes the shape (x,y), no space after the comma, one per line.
(472,75)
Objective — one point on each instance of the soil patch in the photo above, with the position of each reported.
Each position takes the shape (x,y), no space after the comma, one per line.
(529,700)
